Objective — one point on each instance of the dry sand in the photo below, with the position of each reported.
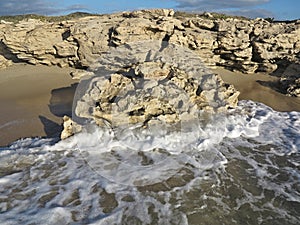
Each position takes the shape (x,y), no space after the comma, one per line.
(33,99)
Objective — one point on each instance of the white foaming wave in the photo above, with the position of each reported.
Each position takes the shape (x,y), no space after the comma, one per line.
(243,121)
(139,156)
(161,150)
(136,156)
(281,129)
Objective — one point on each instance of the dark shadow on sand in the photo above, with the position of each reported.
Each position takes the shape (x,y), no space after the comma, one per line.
(61,100)
(51,128)
(274,85)
(60,104)
(285,69)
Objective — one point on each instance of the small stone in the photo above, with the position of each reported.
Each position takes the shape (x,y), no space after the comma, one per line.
(70,128)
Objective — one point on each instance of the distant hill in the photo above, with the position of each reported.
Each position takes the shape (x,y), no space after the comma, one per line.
(178,14)
(17,18)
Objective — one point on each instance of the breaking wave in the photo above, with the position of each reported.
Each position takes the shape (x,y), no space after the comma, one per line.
(228,168)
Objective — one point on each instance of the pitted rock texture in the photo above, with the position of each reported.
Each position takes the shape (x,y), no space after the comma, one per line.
(149,82)
(289,82)
(245,45)
(70,128)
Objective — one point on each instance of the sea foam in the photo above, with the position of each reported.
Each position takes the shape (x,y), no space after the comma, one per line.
(245,160)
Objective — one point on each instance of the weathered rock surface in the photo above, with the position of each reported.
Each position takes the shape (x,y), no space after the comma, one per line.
(70,128)
(236,44)
(151,82)
(245,45)
(289,82)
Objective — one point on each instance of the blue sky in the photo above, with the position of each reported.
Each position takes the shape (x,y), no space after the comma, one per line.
(279,9)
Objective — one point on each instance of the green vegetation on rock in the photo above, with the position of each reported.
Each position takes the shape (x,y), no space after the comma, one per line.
(205,15)
(18,18)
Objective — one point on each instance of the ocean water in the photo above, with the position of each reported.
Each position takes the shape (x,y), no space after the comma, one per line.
(238,167)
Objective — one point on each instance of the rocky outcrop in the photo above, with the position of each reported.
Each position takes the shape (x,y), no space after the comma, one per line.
(292,86)
(245,45)
(289,83)
(236,44)
(151,82)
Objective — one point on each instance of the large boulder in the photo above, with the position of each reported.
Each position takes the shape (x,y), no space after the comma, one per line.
(149,82)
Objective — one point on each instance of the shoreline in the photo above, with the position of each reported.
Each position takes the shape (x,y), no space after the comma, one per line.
(35,98)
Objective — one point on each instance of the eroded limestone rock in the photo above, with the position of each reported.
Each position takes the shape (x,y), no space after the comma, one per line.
(248,46)
(4,62)
(290,80)
(70,128)
(148,82)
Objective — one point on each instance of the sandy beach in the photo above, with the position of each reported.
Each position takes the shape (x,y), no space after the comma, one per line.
(251,88)
(34,99)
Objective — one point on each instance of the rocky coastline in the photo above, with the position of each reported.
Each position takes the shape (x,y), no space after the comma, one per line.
(240,44)
(237,44)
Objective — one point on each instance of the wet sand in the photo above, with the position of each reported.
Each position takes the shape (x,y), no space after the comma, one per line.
(33,99)
(253,87)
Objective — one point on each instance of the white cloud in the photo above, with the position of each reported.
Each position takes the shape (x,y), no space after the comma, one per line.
(217,4)
(43,7)
(250,13)
(247,8)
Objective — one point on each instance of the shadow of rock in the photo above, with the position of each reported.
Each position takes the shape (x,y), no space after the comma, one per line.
(286,68)
(274,85)
(8,54)
(60,104)
(287,72)
(51,128)
(61,100)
